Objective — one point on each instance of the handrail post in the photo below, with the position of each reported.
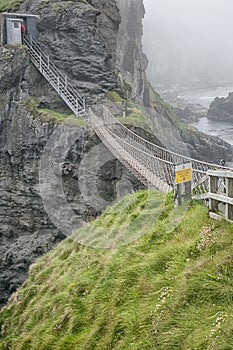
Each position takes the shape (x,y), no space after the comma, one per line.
(229,193)
(213,188)
(40,62)
(48,61)
(76,106)
(58,83)
(66,82)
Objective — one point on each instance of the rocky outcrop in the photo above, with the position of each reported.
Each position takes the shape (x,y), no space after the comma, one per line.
(205,147)
(131,61)
(190,113)
(221,109)
(80,37)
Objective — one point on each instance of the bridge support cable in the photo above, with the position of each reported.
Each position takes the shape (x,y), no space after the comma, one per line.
(148,168)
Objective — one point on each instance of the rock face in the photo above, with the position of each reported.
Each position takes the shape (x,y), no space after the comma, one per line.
(189,113)
(80,37)
(221,109)
(26,229)
(206,148)
(131,61)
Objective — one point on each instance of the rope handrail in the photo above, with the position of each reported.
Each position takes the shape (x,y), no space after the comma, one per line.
(149,168)
(127,143)
(116,121)
(111,126)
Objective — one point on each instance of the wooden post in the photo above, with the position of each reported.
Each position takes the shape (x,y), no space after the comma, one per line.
(213,204)
(188,191)
(183,183)
(177,196)
(229,193)
(124,109)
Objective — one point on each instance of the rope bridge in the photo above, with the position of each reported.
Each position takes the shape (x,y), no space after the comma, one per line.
(153,165)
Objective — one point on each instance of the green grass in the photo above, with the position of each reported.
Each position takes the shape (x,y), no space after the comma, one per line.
(170,289)
(56,6)
(6,5)
(57,117)
(114,96)
(135,117)
(51,116)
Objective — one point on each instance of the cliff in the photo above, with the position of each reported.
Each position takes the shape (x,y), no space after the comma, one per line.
(90,41)
(131,65)
(131,61)
(28,228)
(80,37)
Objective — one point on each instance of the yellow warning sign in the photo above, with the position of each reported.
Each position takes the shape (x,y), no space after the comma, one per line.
(183,173)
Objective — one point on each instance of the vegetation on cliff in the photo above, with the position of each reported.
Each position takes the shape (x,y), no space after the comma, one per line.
(32,105)
(7,5)
(171,289)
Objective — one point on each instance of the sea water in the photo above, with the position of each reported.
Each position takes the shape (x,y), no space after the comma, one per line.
(222,129)
(204,97)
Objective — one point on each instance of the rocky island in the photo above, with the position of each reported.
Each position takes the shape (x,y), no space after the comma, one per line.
(221,109)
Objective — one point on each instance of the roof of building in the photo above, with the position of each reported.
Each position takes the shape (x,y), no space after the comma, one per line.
(19,14)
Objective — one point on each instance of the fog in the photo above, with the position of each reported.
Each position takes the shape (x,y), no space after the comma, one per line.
(189,41)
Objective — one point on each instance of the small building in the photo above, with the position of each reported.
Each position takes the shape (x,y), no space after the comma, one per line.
(10,28)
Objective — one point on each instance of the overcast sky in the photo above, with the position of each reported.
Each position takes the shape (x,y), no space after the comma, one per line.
(189,39)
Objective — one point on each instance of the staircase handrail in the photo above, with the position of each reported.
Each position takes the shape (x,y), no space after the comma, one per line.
(45,62)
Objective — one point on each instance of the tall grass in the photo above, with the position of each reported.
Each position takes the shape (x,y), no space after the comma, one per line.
(170,289)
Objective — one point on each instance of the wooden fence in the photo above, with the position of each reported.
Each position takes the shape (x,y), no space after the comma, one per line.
(221,194)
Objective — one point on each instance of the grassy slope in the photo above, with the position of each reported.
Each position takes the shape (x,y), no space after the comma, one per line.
(171,289)
(9,5)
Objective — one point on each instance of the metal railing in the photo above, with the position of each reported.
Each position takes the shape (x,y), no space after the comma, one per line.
(56,79)
(220,194)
